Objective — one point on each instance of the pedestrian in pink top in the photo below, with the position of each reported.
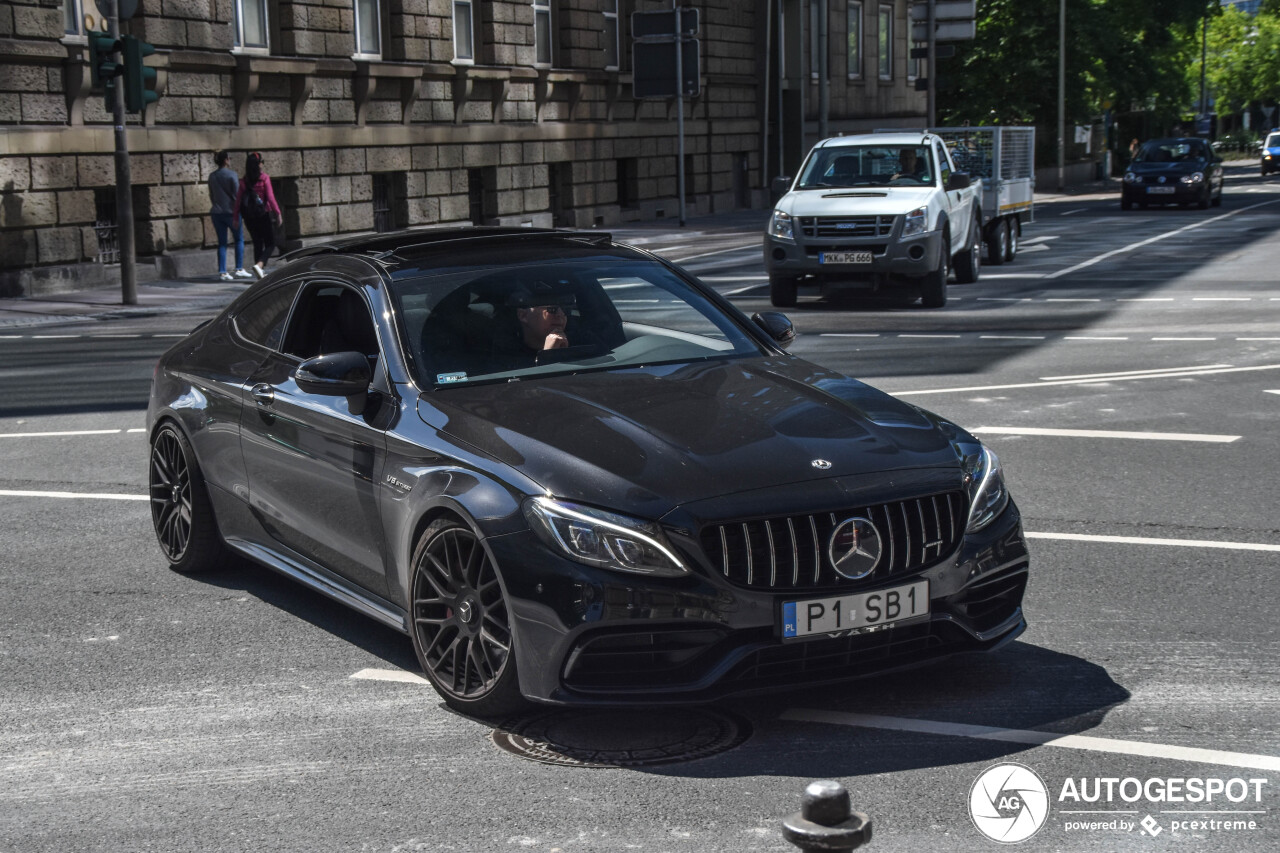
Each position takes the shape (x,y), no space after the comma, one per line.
(256,205)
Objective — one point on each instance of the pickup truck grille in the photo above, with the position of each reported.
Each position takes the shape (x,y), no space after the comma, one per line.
(846,226)
(789,553)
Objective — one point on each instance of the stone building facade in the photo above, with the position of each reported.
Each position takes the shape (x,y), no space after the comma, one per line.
(385,114)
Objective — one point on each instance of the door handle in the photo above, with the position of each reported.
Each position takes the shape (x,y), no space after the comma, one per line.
(263,394)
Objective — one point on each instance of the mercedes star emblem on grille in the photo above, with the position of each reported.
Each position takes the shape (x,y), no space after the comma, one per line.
(855,548)
(820,464)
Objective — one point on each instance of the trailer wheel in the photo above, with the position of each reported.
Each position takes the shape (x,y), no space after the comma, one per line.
(1015,231)
(998,243)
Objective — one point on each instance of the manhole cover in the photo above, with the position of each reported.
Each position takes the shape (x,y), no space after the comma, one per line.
(600,738)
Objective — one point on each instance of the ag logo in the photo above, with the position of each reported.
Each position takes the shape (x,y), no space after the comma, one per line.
(1009,803)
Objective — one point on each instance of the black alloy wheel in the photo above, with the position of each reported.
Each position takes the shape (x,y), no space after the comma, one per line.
(933,286)
(1015,231)
(969,262)
(998,243)
(180,509)
(461,624)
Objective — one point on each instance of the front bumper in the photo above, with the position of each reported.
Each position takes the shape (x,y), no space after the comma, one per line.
(593,637)
(912,257)
(1160,194)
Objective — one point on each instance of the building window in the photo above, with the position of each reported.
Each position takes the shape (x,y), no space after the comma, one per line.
(628,186)
(854,52)
(71,17)
(368,28)
(542,31)
(250,23)
(611,50)
(463,44)
(886,43)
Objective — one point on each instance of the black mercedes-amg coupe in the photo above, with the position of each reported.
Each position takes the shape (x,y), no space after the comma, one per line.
(573,474)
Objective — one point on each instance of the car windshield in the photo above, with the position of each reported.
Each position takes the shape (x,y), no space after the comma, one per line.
(1171,151)
(1273,141)
(544,318)
(867,166)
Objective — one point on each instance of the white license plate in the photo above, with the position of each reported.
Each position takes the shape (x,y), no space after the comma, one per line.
(854,612)
(844,258)
(1160,190)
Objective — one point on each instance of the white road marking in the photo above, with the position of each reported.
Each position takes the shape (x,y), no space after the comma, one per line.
(1069,212)
(64,432)
(1134,372)
(987,275)
(1221,299)
(1030,737)
(1258,339)
(1072,299)
(1041,247)
(13,493)
(1271,392)
(168,336)
(1030,241)
(1145,299)
(1012,337)
(1147,540)
(115,336)
(390,675)
(928,336)
(849,335)
(1129,248)
(53,337)
(1184,339)
(1095,338)
(1043,384)
(1107,433)
(1002,299)
(733,278)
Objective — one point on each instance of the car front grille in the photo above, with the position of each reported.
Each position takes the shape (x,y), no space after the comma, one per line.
(846,226)
(791,552)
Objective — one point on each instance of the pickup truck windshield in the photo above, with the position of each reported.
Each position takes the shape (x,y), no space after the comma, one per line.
(867,166)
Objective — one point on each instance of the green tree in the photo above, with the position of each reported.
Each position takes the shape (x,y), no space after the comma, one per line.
(1241,65)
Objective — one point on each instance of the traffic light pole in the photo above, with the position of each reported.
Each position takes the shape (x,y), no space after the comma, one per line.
(675,4)
(932,68)
(124,178)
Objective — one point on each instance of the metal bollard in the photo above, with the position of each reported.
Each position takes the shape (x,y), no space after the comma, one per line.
(826,821)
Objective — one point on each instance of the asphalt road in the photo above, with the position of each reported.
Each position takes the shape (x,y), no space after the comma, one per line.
(1126,369)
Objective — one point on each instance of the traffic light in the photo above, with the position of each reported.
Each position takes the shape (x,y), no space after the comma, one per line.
(103,67)
(139,80)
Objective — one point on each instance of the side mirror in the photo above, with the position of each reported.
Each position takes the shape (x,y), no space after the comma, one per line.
(959,181)
(780,186)
(339,374)
(777,326)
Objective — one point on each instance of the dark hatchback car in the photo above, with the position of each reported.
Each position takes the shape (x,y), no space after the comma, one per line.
(1173,171)
(668,509)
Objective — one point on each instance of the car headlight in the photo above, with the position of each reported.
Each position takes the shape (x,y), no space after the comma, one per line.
(916,222)
(605,539)
(1193,178)
(1130,178)
(780,226)
(984,481)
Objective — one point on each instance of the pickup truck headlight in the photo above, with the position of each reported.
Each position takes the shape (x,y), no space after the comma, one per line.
(1193,178)
(984,481)
(780,226)
(916,222)
(605,539)
(1130,178)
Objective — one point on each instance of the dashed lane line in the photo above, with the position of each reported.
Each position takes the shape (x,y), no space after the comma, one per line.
(1029,737)
(1149,540)
(1107,433)
(14,493)
(1093,381)
(68,432)
(1154,370)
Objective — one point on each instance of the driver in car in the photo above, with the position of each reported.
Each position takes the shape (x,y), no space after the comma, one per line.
(910,165)
(542,312)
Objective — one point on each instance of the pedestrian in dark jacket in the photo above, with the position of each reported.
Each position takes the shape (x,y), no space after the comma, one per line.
(256,205)
(224,188)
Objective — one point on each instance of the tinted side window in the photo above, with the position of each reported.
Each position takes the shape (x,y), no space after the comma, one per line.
(262,320)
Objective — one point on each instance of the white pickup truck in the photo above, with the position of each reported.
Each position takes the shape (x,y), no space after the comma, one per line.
(887,213)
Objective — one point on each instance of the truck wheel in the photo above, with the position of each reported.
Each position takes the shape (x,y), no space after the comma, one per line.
(998,243)
(969,261)
(1015,231)
(933,287)
(782,290)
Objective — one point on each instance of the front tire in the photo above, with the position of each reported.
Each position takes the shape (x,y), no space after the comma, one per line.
(461,624)
(969,262)
(783,290)
(933,287)
(181,511)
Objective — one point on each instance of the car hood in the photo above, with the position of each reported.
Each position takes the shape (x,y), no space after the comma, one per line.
(872,201)
(647,440)
(1168,168)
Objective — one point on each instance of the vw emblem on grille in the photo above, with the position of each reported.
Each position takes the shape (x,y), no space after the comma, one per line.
(855,548)
(820,464)
(1162,179)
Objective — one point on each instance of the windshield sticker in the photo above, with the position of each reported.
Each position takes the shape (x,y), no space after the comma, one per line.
(446,378)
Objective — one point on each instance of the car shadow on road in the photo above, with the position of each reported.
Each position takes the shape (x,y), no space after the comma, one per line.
(1023,687)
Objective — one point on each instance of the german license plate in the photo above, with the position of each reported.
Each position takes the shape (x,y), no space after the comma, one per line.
(1160,190)
(854,612)
(844,258)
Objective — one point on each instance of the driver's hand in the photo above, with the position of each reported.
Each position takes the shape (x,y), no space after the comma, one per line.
(555,340)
